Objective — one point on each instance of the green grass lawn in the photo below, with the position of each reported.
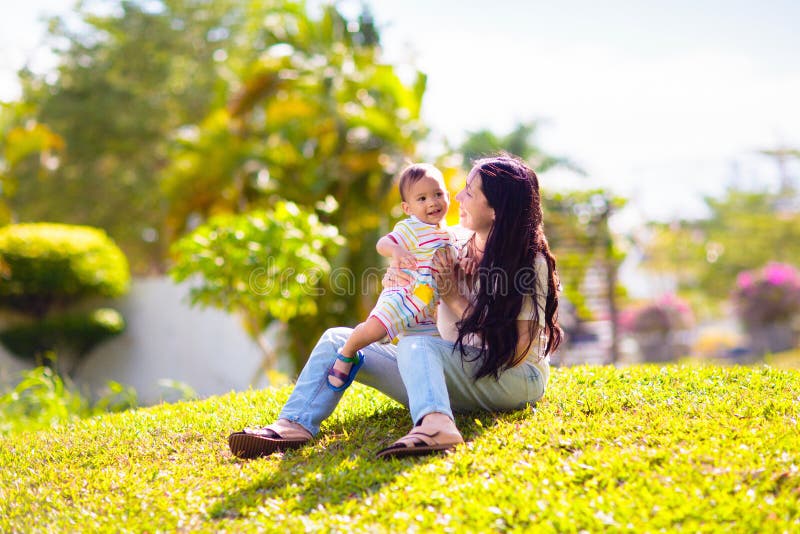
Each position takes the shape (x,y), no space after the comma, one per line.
(642,449)
(784,360)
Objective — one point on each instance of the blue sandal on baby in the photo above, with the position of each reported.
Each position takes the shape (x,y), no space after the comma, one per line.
(357,361)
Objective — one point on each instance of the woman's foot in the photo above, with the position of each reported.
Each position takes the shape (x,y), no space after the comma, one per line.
(435,433)
(436,421)
(280,436)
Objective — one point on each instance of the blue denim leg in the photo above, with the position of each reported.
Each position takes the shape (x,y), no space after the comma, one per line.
(420,372)
(312,401)
(420,361)
(437,380)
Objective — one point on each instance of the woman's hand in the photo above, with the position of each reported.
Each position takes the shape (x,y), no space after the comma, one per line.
(403,259)
(448,271)
(445,274)
(396,277)
(468,266)
(397,274)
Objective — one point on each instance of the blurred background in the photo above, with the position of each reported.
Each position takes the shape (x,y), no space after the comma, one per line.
(241,156)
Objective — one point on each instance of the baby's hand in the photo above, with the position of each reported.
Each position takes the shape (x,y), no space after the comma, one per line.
(403,259)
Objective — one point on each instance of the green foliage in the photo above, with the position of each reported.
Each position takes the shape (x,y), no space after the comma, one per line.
(24,144)
(576,223)
(744,231)
(645,448)
(134,79)
(43,399)
(43,266)
(128,76)
(317,118)
(174,390)
(40,400)
(264,264)
(76,333)
(45,269)
(519,141)
(173,111)
(116,398)
(577,227)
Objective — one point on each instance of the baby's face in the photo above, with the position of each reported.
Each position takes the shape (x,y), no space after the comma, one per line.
(427,200)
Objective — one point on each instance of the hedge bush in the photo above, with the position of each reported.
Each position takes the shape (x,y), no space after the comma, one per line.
(76,333)
(43,265)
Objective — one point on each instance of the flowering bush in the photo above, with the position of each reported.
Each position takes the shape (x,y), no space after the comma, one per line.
(660,328)
(767,296)
(668,313)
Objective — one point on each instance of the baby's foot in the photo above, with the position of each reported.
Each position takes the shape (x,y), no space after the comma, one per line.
(341,373)
(344,368)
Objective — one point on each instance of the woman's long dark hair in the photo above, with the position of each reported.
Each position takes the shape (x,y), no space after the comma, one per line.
(506,272)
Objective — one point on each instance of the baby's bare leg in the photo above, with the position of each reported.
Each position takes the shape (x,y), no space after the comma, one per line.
(364,334)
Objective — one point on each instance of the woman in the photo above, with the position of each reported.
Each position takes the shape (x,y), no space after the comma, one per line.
(497,319)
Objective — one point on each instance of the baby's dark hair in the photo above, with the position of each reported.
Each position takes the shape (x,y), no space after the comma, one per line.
(414,173)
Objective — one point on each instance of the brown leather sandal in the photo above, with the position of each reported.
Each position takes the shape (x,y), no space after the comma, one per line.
(258,442)
(418,443)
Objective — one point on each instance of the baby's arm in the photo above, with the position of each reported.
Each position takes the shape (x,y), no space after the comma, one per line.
(401,257)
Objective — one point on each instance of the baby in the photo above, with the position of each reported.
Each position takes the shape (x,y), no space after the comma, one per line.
(411,244)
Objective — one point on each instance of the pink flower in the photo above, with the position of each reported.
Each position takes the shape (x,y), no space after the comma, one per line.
(769,295)
(666,314)
(670,300)
(778,274)
(627,318)
(744,280)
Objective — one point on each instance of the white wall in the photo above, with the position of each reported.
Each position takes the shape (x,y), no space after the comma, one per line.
(10,366)
(165,338)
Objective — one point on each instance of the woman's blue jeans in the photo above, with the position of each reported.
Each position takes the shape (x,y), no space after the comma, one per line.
(421,372)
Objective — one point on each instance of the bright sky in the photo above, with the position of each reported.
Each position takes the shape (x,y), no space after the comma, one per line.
(659,101)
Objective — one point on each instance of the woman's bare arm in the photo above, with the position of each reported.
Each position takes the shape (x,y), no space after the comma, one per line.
(524,344)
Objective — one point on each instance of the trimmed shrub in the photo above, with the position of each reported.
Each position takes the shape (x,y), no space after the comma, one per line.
(44,265)
(660,328)
(46,268)
(75,333)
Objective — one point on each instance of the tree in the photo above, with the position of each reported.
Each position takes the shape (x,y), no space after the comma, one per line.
(176,110)
(744,230)
(127,78)
(519,141)
(27,148)
(318,120)
(581,237)
(576,223)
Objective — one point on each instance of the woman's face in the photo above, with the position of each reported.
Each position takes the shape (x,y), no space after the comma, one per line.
(474,211)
